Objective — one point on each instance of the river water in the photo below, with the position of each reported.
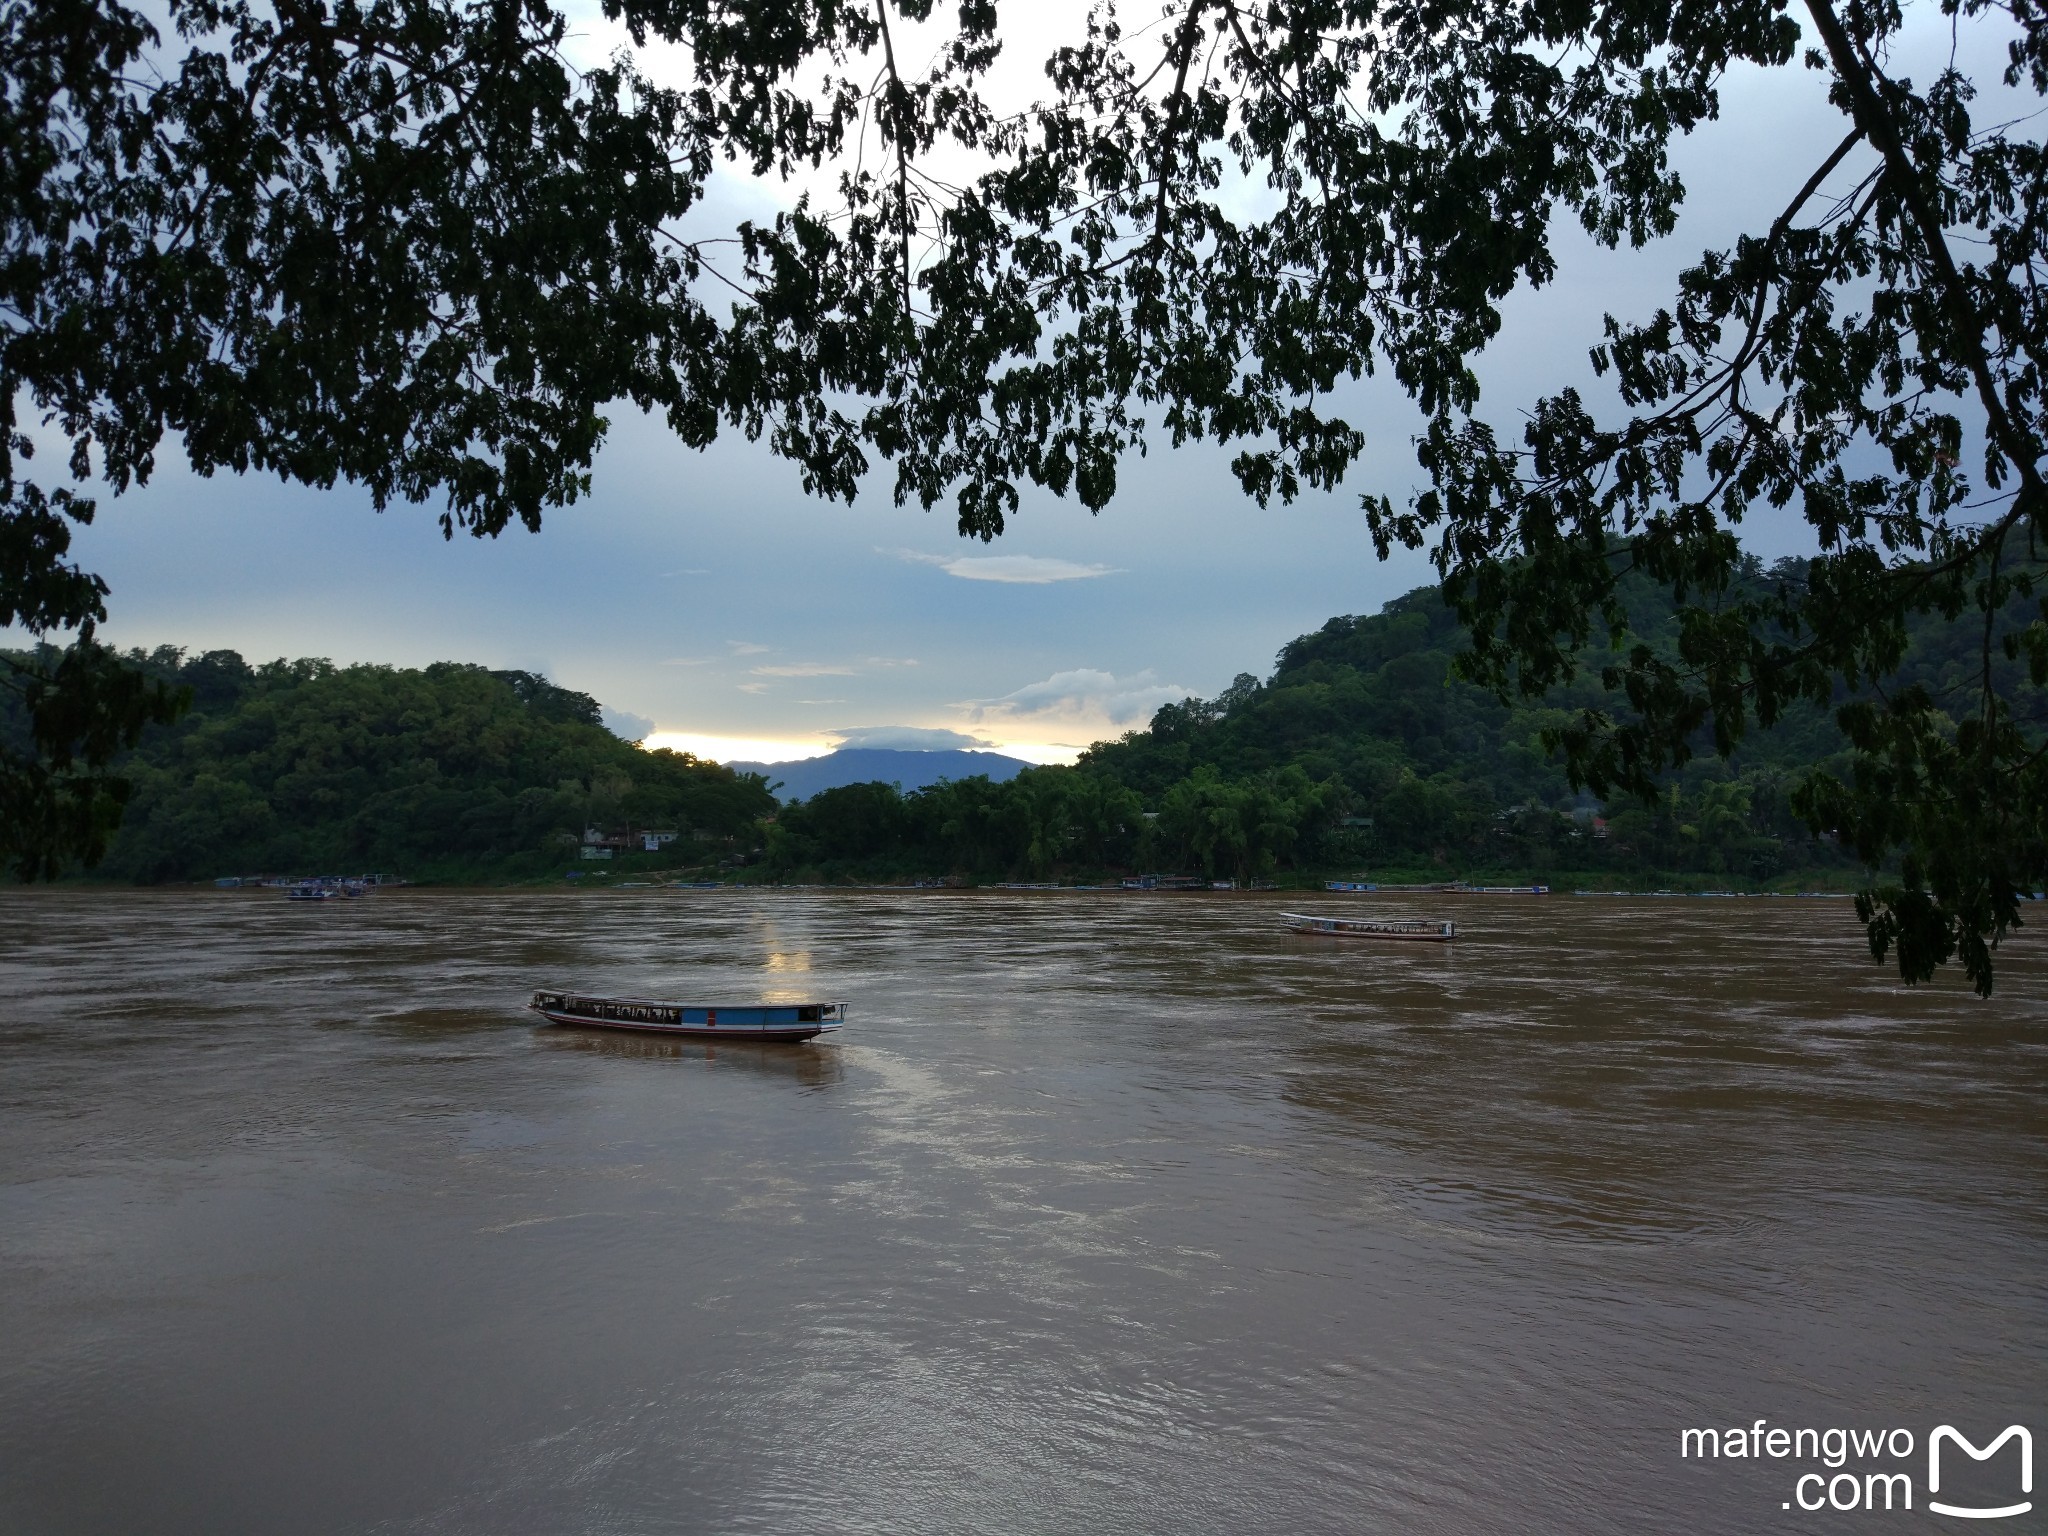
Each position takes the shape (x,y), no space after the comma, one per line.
(1105,1213)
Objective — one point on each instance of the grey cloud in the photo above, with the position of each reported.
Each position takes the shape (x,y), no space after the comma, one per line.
(627,725)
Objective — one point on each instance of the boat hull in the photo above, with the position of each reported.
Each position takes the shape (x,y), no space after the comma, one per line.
(774,1023)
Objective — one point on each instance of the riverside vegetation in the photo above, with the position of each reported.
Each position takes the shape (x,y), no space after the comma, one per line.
(1363,751)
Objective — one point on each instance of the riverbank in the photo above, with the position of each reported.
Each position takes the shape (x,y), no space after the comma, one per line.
(632,874)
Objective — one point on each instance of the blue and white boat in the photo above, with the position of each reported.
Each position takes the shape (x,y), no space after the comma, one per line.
(785,1022)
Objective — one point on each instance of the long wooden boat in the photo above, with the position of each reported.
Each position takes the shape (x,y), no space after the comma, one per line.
(1426,930)
(786,1022)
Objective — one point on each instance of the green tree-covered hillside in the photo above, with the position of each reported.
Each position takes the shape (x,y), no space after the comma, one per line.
(1366,751)
(302,766)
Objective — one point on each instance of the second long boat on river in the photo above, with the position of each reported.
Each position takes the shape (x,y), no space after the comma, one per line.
(787,1023)
(1426,929)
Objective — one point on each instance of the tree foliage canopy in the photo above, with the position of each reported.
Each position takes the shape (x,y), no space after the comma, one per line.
(406,243)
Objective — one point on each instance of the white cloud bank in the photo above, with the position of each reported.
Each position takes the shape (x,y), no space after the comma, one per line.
(1084,701)
(912,738)
(625,724)
(740,749)
(1022,570)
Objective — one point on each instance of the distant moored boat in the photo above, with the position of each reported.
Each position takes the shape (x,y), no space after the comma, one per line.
(742,1021)
(1427,930)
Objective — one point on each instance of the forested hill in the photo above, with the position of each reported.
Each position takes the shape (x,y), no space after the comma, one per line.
(304,767)
(1364,753)
(1373,700)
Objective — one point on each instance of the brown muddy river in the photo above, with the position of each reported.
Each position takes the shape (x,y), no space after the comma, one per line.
(1105,1213)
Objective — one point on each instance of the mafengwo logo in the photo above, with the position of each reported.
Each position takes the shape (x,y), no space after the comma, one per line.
(1872,1469)
(1948,1434)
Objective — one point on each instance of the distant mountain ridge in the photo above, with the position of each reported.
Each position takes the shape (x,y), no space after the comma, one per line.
(807,776)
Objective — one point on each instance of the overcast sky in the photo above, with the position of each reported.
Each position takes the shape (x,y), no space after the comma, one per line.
(705,596)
